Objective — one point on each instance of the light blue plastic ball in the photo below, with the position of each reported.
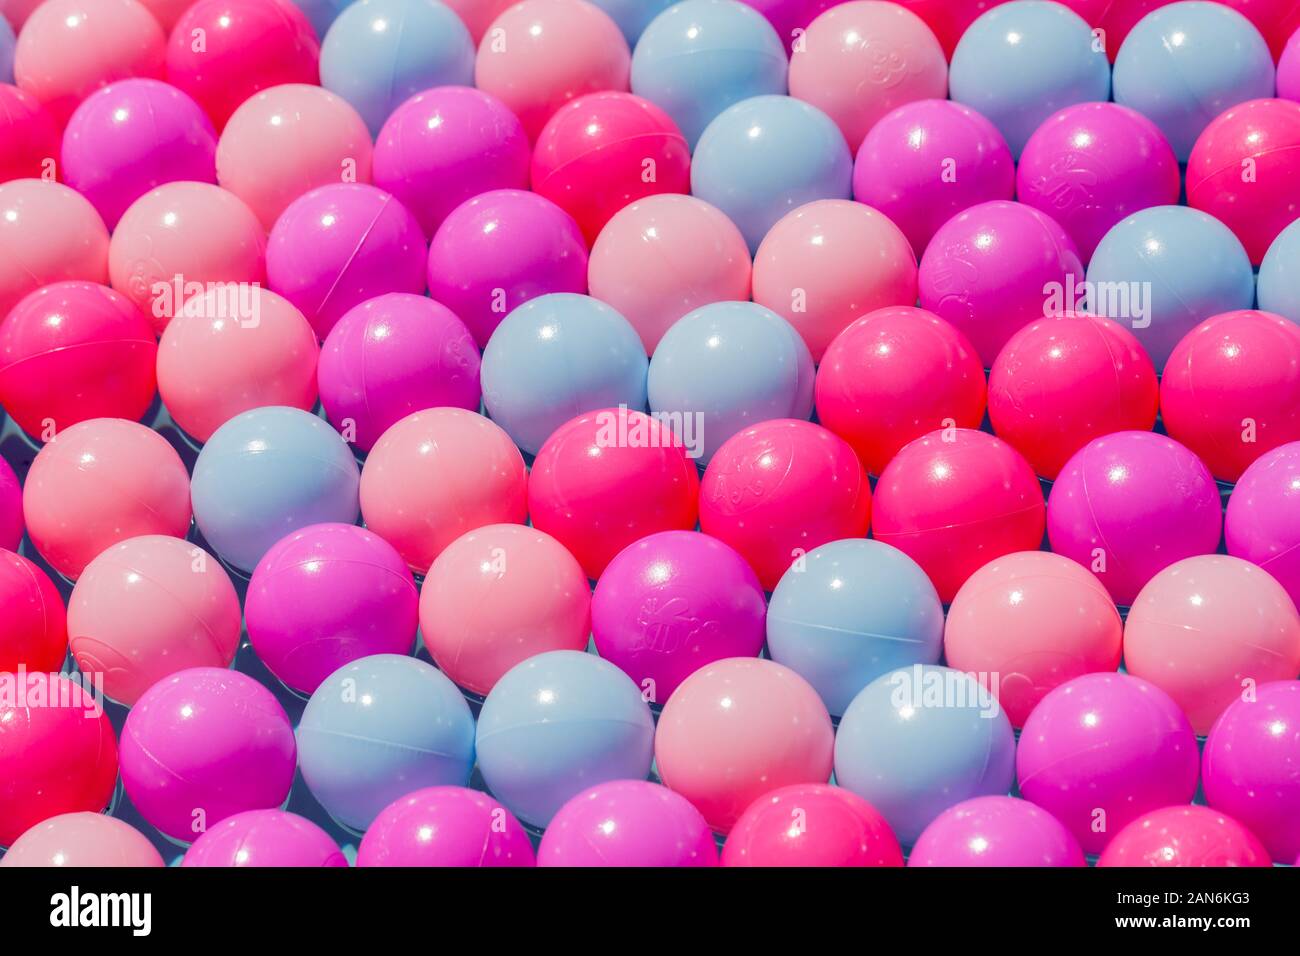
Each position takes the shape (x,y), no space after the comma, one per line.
(699,57)
(1163,271)
(1022,61)
(632,16)
(266,473)
(851,611)
(555,357)
(378,729)
(920,739)
(322,13)
(767,155)
(557,724)
(725,367)
(1279,275)
(1184,64)
(7,43)
(379,53)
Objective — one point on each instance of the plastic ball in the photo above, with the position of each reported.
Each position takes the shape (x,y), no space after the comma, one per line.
(325,596)
(1101,750)
(672,603)
(1185,836)
(498,250)
(1251,766)
(444,146)
(602,151)
(192,618)
(1261,524)
(699,57)
(445,826)
(248,46)
(48,233)
(16,12)
(737,730)
(199,232)
(265,838)
(268,472)
(82,839)
(765,156)
(726,366)
(1063,381)
(1231,390)
(837,828)
(949,19)
(608,478)
(1185,63)
(391,356)
(956,499)
(11,509)
(1275,19)
(996,831)
(790,18)
(380,52)
(29,139)
(340,245)
(166,12)
(1113,20)
(437,474)
(830,262)
(626,823)
(230,351)
(204,745)
(556,356)
(498,596)
(928,160)
(1130,504)
(996,267)
(7,43)
(69,48)
(556,724)
(103,481)
(1020,62)
(1288,70)
(378,728)
(1163,271)
(1093,164)
(33,622)
(321,13)
(633,16)
(1279,281)
(288,140)
(539,54)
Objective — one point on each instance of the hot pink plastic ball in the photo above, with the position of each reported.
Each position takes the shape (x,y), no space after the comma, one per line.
(29,140)
(288,140)
(82,839)
(74,351)
(830,262)
(1263,522)
(478,15)
(48,233)
(11,509)
(17,11)
(811,825)
(1185,836)
(539,54)
(608,478)
(437,474)
(948,19)
(265,838)
(101,482)
(894,375)
(33,623)
(166,12)
(1115,18)
(231,350)
(445,826)
(996,831)
(1276,19)
(956,499)
(1231,389)
(781,488)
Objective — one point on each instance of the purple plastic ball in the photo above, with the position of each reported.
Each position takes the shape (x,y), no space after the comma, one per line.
(1263,522)
(265,838)
(131,137)
(392,356)
(996,831)
(1103,749)
(1288,82)
(445,826)
(500,249)
(342,244)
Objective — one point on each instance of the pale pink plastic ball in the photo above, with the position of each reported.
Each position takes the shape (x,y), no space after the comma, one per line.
(82,839)
(48,233)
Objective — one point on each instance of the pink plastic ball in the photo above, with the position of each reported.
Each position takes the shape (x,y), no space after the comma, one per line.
(437,474)
(781,488)
(28,137)
(101,482)
(1103,749)
(1263,521)
(830,262)
(1276,19)
(287,141)
(445,826)
(82,839)
(48,233)
(954,500)
(33,623)
(11,509)
(837,828)
(628,823)
(737,730)
(948,19)
(478,15)
(1185,836)
(74,351)
(1060,382)
(1231,389)
(17,11)
(996,831)
(166,12)
(894,375)
(608,478)
(69,48)
(990,271)
(1114,18)
(265,838)
(539,54)
(1288,70)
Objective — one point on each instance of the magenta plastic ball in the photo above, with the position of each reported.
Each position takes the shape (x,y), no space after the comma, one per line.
(265,838)
(790,18)
(996,831)
(445,826)
(1288,70)
(391,356)
(340,245)
(1263,519)
(11,508)
(628,823)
